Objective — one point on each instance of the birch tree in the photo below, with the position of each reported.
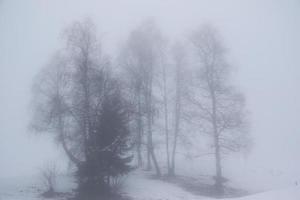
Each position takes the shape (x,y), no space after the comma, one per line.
(166,110)
(134,73)
(179,61)
(221,107)
(52,112)
(141,62)
(68,91)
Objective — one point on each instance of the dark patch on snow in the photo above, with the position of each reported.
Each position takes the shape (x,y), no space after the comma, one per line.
(203,186)
(102,197)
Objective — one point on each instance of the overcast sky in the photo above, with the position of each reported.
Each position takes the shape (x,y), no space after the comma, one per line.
(263,37)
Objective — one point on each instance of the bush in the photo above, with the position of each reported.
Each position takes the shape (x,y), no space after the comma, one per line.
(48,178)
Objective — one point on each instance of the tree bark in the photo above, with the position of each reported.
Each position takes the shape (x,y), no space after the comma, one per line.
(140,130)
(70,155)
(166,119)
(62,136)
(76,161)
(151,154)
(86,104)
(150,148)
(218,178)
(177,117)
(158,173)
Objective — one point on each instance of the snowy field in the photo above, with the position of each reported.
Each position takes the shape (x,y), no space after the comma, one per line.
(137,186)
(29,188)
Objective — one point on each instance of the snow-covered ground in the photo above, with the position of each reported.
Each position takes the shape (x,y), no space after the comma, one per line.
(137,186)
(30,187)
(292,193)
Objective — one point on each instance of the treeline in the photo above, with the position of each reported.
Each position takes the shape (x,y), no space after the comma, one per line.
(106,112)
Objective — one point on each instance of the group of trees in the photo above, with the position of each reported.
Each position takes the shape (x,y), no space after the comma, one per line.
(99,114)
(174,85)
(77,98)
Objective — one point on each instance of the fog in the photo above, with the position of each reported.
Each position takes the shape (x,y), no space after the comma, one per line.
(262,36)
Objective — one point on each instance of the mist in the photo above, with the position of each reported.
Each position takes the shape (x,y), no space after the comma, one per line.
(263,44)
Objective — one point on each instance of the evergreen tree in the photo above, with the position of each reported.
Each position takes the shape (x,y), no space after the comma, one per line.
(109,145)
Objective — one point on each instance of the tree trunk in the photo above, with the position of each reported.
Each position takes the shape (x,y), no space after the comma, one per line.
(150,148)
(172,168)
(86,104)
(64,144)
(149,134)
(218,178)
(68,152)
(177,118)
(158,173)
(166,118)
(62,135)
(140,130)
(176,131)
(149,165)
(151,154)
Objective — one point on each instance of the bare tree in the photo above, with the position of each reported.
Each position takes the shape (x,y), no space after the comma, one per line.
(179,59)
(134,73)
(48,177)
(166,111)
(51,111)
(222,108)
(89,78)
(69,90)
(141,61)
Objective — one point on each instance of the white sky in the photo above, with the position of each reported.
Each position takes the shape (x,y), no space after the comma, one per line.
(262,35)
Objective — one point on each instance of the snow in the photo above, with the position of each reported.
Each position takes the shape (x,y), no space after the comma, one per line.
(292,193)
(138,185)
(29,187)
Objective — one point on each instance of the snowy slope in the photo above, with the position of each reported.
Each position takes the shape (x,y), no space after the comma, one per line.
(139,187)
(292,193)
